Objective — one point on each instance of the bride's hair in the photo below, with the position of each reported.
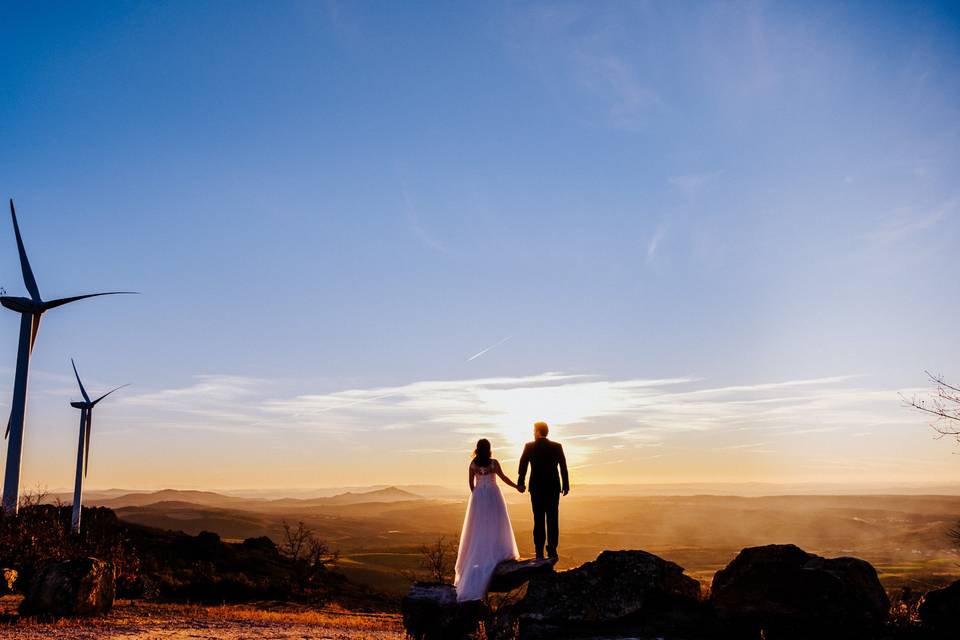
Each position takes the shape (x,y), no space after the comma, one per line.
(481,455)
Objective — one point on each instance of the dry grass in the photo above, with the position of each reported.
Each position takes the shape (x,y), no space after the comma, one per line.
(327,616)
(136,619)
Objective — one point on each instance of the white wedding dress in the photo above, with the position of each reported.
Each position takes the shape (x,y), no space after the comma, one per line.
(487,537)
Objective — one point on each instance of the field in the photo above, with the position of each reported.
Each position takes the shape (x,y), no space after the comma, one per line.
(379,532)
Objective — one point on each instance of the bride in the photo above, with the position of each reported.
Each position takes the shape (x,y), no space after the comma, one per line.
(487,536)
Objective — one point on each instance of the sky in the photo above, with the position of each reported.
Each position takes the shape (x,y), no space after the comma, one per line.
(706,242)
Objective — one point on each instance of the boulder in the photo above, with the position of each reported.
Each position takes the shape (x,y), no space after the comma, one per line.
(632,592)
(430,609)
(431,612)
(511,574)
(782,591)
(80,587)
(940,611)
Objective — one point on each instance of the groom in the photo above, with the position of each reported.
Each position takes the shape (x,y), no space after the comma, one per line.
(544,457)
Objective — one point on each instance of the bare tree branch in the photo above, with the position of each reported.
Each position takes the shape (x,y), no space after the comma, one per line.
(309,556)
(943,404)
(940,382)
(437,561)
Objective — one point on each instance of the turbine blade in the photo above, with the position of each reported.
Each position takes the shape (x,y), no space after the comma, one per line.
(82,390)
(108,393)
(9,424)
(86,462)
(62,301)
(34,330)
(28,279)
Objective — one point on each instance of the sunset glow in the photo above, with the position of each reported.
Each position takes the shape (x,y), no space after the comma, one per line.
(705,243)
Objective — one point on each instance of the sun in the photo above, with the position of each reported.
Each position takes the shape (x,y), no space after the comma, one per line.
(514,411)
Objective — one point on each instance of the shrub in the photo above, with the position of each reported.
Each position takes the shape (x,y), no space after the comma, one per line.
(40,534)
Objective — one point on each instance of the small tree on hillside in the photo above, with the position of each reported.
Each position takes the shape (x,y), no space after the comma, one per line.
(309,556)
(437,559)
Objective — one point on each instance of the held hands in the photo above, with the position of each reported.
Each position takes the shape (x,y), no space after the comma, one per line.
(521,488)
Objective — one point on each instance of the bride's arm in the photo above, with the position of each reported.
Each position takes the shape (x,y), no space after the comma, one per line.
(504,477)
(471,478)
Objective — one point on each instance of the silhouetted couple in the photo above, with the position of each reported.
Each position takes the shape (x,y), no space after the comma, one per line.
(487,537)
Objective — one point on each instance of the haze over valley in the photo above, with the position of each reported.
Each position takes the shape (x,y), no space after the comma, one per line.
(379,531)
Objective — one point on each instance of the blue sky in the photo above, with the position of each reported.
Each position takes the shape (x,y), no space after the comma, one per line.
(330,207)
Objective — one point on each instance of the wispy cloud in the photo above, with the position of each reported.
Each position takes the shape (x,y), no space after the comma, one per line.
(654,243)
(749,445)
(587,54)
(906,223)
(417,227)
(692,183)
(611,78)
(595,414)
(212,403)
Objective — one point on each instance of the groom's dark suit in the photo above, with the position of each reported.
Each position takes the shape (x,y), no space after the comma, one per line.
(544,457)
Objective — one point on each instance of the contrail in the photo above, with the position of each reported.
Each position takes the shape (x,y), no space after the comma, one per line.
(493,346)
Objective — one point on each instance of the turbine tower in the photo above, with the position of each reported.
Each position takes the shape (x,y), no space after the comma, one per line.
(30,310)
(83,447)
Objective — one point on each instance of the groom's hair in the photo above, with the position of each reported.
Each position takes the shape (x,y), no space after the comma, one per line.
(541,429)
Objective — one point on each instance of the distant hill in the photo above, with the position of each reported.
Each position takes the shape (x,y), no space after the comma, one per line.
(219,500)
(389,494)
(166,495)
(423,490)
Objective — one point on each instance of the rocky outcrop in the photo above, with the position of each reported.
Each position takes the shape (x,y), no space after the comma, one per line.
(940,611)
(80,587)
(631,592)
(512,574)
(786,592)
(431,612)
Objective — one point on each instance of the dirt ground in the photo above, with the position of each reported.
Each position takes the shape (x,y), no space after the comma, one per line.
(138,620)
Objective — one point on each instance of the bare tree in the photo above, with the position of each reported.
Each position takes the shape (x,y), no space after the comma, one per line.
(33,498)
(943,405)
(438,558)
(309,556)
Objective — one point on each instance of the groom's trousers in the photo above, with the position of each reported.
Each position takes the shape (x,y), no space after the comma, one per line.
(545,512)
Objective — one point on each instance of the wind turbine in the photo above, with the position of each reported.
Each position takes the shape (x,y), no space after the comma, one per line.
(83,447)
(30,310)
